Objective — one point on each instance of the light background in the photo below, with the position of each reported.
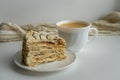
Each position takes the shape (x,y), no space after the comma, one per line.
(51,11)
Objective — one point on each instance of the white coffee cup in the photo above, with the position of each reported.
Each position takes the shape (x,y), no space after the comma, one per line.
(76,36)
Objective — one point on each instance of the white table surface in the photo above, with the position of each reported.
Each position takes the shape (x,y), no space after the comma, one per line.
(98,60)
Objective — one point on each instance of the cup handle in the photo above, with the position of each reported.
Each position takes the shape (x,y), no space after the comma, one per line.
(95,31)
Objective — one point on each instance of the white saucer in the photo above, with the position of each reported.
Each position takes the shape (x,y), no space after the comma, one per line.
(52,66)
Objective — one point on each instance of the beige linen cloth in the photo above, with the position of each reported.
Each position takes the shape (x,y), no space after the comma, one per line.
(14,32)
(109,24)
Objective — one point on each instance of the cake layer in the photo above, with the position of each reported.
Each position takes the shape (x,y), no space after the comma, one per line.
(45,52)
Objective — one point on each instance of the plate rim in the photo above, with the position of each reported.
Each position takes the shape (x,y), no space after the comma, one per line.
(36,69)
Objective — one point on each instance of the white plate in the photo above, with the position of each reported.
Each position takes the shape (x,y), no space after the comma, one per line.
(52,66)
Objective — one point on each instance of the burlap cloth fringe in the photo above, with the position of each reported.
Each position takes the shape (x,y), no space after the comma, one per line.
(109,24)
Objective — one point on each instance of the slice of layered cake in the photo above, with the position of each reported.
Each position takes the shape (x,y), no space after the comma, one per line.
(42,47)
